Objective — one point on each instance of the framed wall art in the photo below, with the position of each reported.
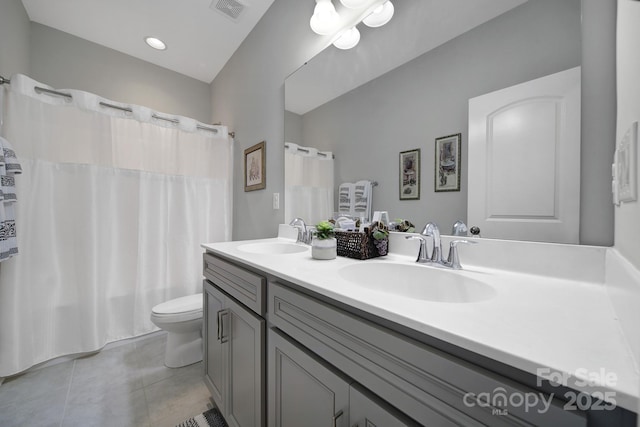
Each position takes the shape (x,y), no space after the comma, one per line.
(410,175)
(447,167)
(255,173)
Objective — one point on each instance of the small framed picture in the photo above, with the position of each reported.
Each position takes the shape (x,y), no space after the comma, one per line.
(410,175)
(255,174)
(447,168)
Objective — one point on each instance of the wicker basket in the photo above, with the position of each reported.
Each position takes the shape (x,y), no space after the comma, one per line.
(356,245)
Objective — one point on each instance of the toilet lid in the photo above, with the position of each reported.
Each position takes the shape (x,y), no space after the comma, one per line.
(180,305)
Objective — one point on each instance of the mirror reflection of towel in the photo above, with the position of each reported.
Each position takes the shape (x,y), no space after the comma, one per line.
(355,199)
(362,203)
(345,197)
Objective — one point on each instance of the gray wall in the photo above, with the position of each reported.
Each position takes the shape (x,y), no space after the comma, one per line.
(598,121)
(65,61)
(62,60)
(292,127)
(14,38)
(248,96)
(411,106)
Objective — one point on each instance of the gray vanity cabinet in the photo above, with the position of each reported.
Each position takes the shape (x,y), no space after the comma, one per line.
(234,351)
(303,391)
(429,386)
(327,365)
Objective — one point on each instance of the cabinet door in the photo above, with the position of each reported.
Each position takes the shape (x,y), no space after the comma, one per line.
(244,335)
(214,351)
(368,411)
(302,391)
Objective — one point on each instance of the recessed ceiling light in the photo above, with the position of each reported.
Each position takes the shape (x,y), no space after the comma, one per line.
(155,43)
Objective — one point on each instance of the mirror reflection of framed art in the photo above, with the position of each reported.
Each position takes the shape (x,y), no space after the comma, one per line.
(410,175)
(447,168)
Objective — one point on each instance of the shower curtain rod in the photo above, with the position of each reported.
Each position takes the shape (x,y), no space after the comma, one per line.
(39,89)
(304,150)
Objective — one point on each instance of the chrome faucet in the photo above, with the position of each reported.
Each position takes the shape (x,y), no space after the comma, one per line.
(304,236)
(459,229)
(432,230)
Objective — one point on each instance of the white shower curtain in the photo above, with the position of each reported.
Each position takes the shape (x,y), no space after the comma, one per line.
(308,184)
(112,209)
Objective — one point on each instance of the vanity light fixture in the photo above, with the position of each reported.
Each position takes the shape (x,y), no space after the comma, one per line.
(380,15)
(325,18)
(155,43)
(354,4)
(326,21)
(348,39)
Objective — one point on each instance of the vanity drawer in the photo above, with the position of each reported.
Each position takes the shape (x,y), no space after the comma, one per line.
(430,386)
(244,285)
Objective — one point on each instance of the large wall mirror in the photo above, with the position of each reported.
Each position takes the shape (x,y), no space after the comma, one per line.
(408,84)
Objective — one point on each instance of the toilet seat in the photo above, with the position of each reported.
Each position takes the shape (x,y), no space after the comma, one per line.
(181,309)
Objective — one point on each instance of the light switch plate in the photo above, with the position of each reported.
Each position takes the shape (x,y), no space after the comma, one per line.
(625,167)
(276,200)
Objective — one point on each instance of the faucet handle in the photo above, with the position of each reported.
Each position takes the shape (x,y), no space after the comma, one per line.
(308,235)
(422,253)
(453,260)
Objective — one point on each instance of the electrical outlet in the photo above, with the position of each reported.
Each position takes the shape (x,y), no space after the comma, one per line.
(276,200)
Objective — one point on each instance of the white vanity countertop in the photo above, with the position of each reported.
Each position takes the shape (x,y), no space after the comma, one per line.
(566,327)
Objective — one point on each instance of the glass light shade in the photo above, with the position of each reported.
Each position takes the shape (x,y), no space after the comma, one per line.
(348,39)
(354,4)
(155,43)
(325,18)
(380,16)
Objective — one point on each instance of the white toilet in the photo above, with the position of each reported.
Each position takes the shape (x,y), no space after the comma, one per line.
(182,319)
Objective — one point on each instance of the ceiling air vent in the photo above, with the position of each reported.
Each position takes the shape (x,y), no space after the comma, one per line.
(231,8)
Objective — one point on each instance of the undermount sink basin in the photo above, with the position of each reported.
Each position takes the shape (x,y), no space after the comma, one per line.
(417,282)
(274,248)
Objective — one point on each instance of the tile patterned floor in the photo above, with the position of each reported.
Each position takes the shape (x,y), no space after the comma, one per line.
(126,384)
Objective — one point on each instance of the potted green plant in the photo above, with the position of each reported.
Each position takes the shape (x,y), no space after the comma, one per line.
(323,244)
